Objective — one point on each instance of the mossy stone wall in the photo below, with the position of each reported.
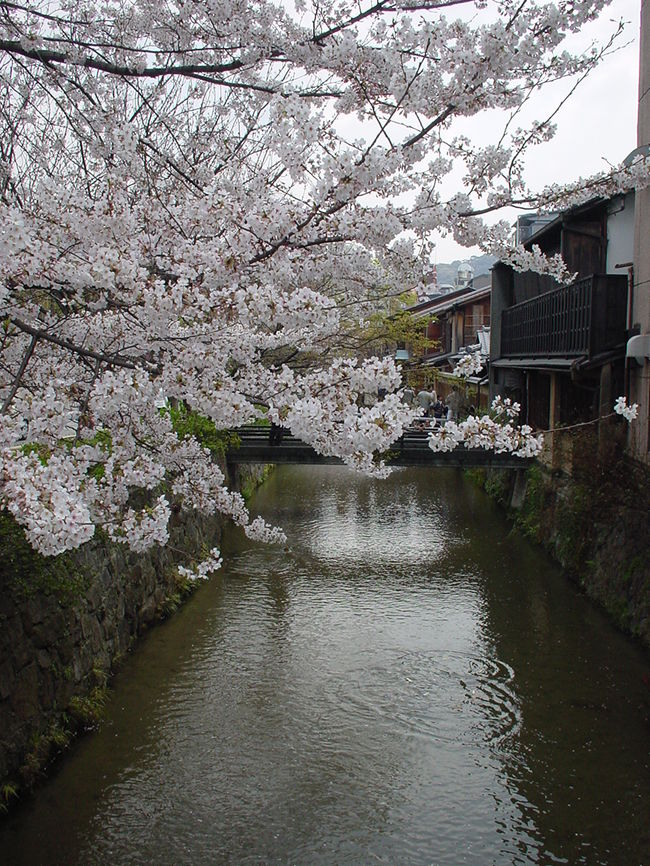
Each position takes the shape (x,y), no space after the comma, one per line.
(64,623)
(594,522)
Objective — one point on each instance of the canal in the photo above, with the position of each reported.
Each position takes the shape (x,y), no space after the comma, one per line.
(409,683)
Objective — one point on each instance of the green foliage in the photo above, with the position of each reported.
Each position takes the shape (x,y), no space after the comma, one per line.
(97,471)
(250,485)
(65,672)
(44,746)
(171,604)
(60,737)
(32,572)
(99,674)
(399,327)
(187,423)
(89,711)
(390,325)
(498,486)
(574,523)
(530,516)
(262,421)
(476,476)
(42,451)
(183,587)
(102,437)
(8,792)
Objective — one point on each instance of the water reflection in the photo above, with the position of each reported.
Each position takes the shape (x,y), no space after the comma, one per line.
(410,683)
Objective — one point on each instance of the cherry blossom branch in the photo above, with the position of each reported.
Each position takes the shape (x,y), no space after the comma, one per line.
(49,56)
(19,375)
(211,206)
(111,359)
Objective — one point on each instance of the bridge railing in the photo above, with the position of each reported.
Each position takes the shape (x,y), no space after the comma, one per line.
(412,449)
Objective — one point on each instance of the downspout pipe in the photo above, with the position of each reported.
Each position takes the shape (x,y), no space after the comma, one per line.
(628,319)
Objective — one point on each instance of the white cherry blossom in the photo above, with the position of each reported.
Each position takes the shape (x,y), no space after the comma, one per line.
(201,205)
(621,407)
(468,365)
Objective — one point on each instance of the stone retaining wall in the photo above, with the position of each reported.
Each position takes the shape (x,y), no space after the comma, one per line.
(62,631)
(594,522)
(66,621)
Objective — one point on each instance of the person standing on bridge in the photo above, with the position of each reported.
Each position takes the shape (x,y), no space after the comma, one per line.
(452,403)
(276,434)
(426,399)
(408,396)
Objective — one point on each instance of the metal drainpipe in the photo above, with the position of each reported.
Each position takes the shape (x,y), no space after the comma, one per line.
(628,321)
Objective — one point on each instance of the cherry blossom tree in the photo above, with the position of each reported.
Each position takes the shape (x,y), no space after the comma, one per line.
(202,202)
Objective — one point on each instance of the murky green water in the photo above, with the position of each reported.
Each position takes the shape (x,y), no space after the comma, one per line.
(411,684)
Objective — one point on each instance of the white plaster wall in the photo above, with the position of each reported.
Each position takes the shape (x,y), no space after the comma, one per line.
(620,233)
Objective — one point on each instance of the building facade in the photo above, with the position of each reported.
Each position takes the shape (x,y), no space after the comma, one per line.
(560,350)
(639,363)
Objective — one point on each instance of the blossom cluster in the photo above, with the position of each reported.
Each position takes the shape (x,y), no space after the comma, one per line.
(203,204)
(628,412)
(497,434)
(468,365)
(505,406)
(203,569)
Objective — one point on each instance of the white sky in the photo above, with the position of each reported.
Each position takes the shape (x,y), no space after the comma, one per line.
(596,127)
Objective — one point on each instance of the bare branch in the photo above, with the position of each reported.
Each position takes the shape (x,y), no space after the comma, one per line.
(112,359)
(19,375)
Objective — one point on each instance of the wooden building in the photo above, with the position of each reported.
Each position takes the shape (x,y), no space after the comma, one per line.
(559,350)
(453,321)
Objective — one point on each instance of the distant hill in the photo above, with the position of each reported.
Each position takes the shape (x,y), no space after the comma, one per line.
(447,271)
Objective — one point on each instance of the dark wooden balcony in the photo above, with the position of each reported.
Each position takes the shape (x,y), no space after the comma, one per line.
(586,318)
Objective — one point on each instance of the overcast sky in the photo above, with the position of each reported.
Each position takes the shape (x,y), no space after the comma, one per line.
(596,127)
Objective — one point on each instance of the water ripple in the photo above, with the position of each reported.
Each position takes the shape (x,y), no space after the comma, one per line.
(447,696)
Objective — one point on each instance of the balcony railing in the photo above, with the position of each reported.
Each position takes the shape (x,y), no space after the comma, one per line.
(585,318)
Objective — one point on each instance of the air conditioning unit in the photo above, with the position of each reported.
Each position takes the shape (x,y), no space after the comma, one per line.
(638,348)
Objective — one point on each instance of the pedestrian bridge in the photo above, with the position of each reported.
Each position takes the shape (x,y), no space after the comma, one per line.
(411,450)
